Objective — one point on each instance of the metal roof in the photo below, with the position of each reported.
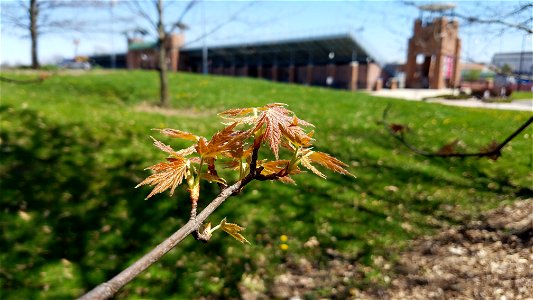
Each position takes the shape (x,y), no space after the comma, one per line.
(142,45)
(437,7)
(335,48)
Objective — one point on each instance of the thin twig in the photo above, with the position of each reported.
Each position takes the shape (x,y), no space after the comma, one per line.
(492,20)
(108,289)
(211,169)
(232,18)
(493,152)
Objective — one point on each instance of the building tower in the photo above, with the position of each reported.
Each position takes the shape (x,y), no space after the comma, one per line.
(145,55)
(434,49)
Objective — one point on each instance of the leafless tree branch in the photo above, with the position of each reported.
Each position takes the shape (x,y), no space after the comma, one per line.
(519,26)
(494,19)
(189,6)
(38,17)
(493,151)
(136,7)
(232,18)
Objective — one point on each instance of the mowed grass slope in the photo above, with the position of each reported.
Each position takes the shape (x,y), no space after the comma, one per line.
(74,147)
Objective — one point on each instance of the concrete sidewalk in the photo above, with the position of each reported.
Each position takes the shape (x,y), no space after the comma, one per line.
(522,105)
(420,94)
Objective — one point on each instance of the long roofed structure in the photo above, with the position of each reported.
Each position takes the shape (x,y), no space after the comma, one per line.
(337,49)
(334,60)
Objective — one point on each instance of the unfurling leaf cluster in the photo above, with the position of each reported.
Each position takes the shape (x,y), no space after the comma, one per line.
(236,147)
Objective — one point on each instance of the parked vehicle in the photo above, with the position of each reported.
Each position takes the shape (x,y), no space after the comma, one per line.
(76,65)
(499,86)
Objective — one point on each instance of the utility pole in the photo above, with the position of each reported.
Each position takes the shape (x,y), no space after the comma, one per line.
(76,43)
(205,68)
(113,55)
(521,63)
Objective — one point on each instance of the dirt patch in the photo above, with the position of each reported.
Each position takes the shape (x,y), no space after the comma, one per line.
(490,258)
(155,109)
(487,259)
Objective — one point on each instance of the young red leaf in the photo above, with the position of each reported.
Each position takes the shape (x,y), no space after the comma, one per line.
(492,147)
(187,151)
(233,230)
(168,175)
(296,135)
(280,169)
(163,147)
(278,122)
(179,134)
(306,162)
(398,128)
(271,167)
(214,178)
(223,141)
(236,112)
(448,148)
(329,162)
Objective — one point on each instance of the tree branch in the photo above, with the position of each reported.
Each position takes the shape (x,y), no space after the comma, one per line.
(108,289)
(232,18)
(492,18)
(519,26)
(136,7)
(168,176)
(494,151)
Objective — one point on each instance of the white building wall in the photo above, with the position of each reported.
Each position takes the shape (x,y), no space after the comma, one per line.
(513,60)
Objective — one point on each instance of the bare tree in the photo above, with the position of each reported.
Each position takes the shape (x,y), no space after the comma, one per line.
(34,13)
(38,17)
(162,35)
(162,31)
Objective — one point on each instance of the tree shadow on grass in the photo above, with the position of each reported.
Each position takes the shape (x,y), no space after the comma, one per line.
(60,203)
(63,199)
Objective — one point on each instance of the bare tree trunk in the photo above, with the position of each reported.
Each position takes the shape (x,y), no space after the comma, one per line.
(34,12)
(163,77)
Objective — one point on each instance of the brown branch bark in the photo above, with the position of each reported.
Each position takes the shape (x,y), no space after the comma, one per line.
(108,289)
(163,77)
(34,13)
(493,152)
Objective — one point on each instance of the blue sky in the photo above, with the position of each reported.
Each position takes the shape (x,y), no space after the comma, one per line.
(383,26)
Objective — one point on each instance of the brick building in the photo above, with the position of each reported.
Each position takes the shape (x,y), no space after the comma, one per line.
(519,62)
(434,50)
(338,61)
(145,55)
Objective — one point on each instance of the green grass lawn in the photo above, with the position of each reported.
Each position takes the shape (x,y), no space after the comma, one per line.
(519,95)
(74,147)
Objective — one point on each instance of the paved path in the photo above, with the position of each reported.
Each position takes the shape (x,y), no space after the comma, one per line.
(420,94)
(524,105)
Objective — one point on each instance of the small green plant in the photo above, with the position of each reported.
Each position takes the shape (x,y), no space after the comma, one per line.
(472,75)
(235,147)
(506,69)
